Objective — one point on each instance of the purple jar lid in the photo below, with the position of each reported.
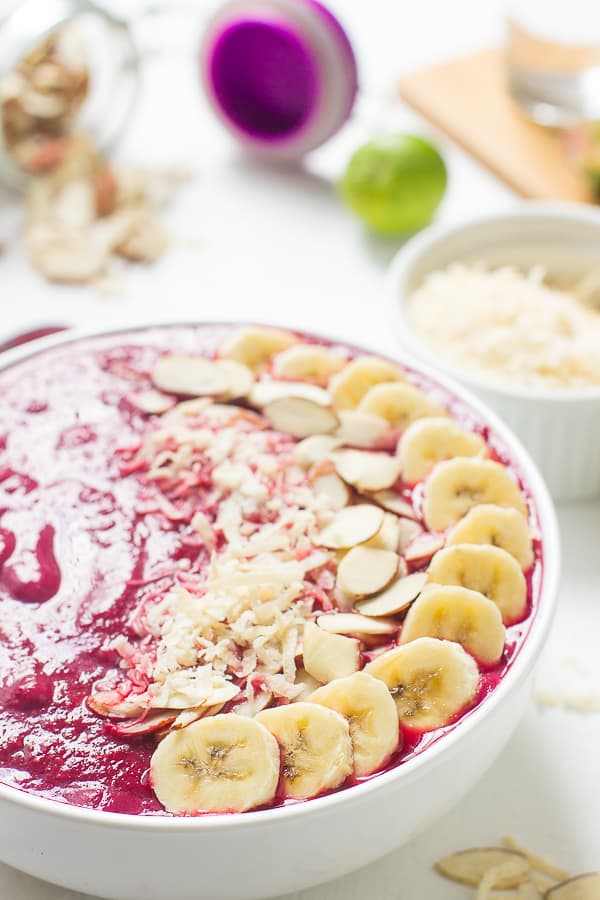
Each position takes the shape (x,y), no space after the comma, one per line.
(281,74)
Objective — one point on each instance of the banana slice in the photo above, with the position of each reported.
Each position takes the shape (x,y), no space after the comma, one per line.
(400,404)
(300,416)
(430,680)
(327,656)
(315,746)
(459,484)
(349,386)
(364,571)
(457,614)
(430,441)
(307,361)
(396,598)
(254,346)
(365,431)
(496,525)
(225,763)
(371,713)
(489,570)
(314,449)
(352,525)
(366,471)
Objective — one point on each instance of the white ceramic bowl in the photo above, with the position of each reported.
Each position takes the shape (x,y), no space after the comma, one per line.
(256,855)
(561,430)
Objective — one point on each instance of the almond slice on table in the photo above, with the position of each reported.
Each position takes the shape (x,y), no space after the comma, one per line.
(327,656)
(300,416)
(364,571)
(189,376)
(366,471)
(395,598)
(393,503)
(540,863)
(514,870)
(423,547)
(240,378)
(470,866)
(582,887)
(264,392)
(352,525)
(365,430)
(352,623)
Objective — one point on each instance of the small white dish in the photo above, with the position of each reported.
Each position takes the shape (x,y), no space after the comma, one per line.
(561,429)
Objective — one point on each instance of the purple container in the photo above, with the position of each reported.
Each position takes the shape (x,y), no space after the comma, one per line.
(280,74)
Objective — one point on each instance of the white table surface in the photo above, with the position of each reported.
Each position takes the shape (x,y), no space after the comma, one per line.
(277,246)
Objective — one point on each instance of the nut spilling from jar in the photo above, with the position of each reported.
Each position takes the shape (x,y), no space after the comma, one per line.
(40,99)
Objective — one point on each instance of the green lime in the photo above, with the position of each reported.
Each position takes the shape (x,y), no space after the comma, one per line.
(395,183)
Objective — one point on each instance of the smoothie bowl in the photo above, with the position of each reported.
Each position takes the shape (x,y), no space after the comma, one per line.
(257,589)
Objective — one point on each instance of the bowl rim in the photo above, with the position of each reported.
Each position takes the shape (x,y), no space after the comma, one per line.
(519,668)
(403,263)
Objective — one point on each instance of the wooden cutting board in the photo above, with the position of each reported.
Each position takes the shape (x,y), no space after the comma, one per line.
(468,100)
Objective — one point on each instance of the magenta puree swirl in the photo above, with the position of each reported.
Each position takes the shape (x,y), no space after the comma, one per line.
(77,556)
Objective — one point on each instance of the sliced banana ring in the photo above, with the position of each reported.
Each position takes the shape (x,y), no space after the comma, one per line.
(310,361)
(430,680)
(455,486)
(399,404)
(254,346)
(457,614)
(489,570)
(371,713)
(496,525)
(349,386)
(315,746)
(430,441)
(225,763)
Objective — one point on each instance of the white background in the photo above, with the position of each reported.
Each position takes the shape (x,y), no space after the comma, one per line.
(277,246)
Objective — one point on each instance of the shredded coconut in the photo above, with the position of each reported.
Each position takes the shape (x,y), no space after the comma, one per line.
(509,325)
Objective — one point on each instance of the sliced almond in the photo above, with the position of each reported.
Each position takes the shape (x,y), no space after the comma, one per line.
(365,430)
(351,623)
(364,571)
(393,503)
(470,866)
(388,536)
(308,683)
(366,471)
(239,377)
(513,872)
(313,449)
(300,417)
(351,526)
(265,392)
(409,530)
(423,547)
(396,598)
(189,376)
(582,887)
(154,721)
(537,862)
(330,485)
(151,402)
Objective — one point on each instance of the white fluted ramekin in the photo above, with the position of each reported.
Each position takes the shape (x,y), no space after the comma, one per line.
(560,428)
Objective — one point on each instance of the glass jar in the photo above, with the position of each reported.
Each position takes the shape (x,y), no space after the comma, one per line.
(109,64)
